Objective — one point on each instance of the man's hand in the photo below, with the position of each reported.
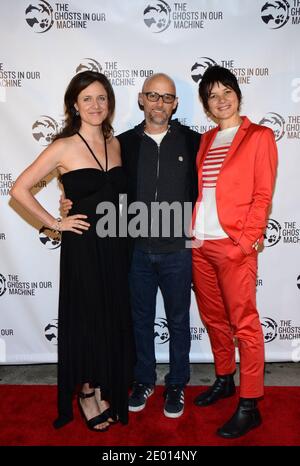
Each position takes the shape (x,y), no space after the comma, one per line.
(65,205)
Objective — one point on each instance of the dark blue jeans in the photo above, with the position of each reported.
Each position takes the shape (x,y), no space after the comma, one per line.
(172,273)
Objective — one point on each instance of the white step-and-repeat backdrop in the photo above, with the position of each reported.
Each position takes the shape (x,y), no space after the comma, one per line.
(44,43)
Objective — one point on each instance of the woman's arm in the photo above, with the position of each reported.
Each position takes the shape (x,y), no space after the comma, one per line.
(47,161)
(265,175)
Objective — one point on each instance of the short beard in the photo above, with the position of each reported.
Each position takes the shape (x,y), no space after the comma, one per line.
(159,120)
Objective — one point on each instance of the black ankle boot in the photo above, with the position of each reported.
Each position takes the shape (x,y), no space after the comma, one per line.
(246,417)
(222,388)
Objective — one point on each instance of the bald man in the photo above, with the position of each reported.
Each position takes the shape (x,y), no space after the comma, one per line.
(159,157)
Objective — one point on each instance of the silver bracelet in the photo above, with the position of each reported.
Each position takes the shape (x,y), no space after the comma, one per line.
(57,225)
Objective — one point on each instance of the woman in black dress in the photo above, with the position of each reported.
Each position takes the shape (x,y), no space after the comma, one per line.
(95,342)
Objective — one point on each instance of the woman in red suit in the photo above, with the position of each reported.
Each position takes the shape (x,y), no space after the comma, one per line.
(236,166)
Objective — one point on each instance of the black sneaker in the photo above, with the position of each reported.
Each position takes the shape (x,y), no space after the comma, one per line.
(139,395)
(174,401)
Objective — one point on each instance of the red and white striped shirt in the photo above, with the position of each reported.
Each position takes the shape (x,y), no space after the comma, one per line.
(207,225)
(212,165)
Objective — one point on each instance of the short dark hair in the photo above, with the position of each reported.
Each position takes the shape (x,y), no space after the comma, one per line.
(217,74)
(77,84)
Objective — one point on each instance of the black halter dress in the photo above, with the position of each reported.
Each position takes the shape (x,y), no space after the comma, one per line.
(95,339)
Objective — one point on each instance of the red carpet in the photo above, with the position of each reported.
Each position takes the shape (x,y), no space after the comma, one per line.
(27,412)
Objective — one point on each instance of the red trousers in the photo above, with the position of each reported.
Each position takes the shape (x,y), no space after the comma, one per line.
(225,286)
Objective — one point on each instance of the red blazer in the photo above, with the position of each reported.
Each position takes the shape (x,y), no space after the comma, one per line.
(245,182)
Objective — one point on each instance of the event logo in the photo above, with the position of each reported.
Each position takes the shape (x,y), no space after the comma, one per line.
(51,331)
(161,331)
(197,333)
(272,234)
(269,327)
(157,16)
(89,64)
(288,126)
(275,13)
(6,183)
(276,122)
(44,129)
(2,284)
(290,233)
(14,285)
(50,238)
(288,331)
(200,128)
(14,78)
(243,74)
(200,66)
(39,16)
(117,76)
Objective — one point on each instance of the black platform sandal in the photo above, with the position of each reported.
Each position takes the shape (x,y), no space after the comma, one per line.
(107,414)
(94,421)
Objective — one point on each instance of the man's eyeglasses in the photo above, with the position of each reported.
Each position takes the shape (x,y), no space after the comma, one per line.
(154,97)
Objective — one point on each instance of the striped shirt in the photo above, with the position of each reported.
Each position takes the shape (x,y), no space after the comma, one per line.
(212,165)
(207,225)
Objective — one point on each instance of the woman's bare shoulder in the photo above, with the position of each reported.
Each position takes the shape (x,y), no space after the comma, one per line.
(64,144)
(114,143)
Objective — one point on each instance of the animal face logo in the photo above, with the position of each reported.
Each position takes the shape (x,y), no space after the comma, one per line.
(39,16)
(89,64)
(275,13)
(49,238)
(51,331)
(157,16)
(269,327)
(2,284)
(272,234)
(161,331)
(44,129)
(276,122)
(200,66)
